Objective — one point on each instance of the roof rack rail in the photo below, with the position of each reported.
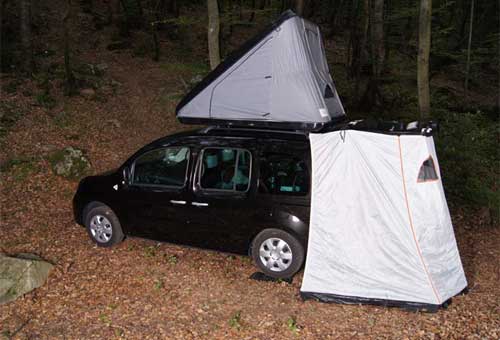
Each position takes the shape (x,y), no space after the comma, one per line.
(258,129)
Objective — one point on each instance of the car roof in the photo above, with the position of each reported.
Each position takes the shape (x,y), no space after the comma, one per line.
(225,132)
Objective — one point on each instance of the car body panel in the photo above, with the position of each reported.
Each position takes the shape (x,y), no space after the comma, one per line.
(226,221)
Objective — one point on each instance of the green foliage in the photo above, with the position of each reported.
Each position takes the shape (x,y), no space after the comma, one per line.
(6,334)
(172,259)
(159,284)
(182,20)
(235,320)
(119,332)
(104,318)
(176,67)
(11,86)
(44,99)
(150,251)
(291,323)
(19,168)
(467,146)
(62,119)
(9,115)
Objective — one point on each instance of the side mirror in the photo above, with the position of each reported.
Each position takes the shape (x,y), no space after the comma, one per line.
(126,175)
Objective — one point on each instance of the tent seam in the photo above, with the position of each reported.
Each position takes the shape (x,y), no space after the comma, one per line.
(412,226)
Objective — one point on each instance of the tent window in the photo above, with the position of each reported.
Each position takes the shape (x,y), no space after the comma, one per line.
(427,171)
(328,92)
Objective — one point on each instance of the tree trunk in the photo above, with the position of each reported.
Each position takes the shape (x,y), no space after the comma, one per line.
(299,7)
(373,96)
(26,36)
(311,8)
(70,86)
(424,47)
(213,33)
(467,67)
(377,35)
(133,13)
(336,9)
(173,8)
(359,52)
(156,41)
(86,6)
(252,14)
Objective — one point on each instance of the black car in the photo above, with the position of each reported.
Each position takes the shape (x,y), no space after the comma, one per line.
(238,190)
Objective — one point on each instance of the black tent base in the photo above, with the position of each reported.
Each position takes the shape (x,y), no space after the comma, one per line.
(301,126)
(354,300)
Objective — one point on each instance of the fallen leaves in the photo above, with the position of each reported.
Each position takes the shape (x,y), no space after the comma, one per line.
(145,290)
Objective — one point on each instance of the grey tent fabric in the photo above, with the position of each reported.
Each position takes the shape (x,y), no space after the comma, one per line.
(281,76)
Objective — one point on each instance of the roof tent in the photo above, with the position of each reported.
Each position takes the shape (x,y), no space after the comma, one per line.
(380,229)
(280,78)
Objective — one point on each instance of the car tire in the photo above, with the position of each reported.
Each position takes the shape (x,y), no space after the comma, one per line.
(277,253)
(103,226)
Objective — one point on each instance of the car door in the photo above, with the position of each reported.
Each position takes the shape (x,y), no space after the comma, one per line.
(284,182)
(157,194)
(222,196)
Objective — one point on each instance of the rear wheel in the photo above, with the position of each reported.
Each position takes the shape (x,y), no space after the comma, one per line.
(277,253)
(103,226)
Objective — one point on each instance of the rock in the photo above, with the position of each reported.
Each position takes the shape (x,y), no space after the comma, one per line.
(101,68)
(196,79)
(48,148)
(69,163)
(20,275)
(88,93)
(115,83)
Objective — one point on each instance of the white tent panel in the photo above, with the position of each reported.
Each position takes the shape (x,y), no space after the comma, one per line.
(245,91)
(282,77)
(431,218)
(362,243)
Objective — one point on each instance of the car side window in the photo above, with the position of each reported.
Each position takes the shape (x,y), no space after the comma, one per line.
(162,167)
(225,169)
(283,174)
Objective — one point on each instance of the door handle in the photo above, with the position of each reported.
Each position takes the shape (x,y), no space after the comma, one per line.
(199,204)
(177,202)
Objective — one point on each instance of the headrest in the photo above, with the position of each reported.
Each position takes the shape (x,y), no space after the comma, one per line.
(211,161)
(227,155)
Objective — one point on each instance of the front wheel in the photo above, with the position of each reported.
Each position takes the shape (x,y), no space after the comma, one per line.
(277,253)
(103,226)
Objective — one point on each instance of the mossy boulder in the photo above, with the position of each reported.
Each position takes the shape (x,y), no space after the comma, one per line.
(20,275)
(69,163)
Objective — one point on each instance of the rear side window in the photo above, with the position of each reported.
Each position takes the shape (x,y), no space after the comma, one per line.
(162,167)
(283,174)
(427,171)
(225,169)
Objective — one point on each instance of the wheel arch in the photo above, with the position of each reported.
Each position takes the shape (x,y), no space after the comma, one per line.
(89,206)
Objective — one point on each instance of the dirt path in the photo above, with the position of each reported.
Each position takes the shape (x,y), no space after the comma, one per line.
(145,290)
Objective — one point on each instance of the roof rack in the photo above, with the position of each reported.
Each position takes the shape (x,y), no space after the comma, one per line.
(256,129)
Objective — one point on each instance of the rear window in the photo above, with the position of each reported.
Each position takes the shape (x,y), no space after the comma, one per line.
(283,174)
